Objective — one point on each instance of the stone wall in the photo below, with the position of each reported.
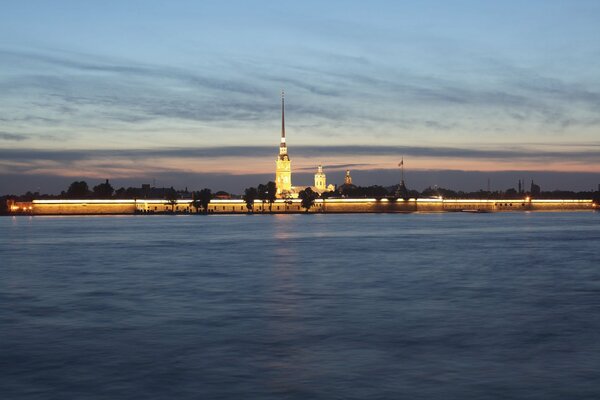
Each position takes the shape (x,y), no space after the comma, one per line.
(82,207)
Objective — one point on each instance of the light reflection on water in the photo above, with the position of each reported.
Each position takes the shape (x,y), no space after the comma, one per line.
(449,306)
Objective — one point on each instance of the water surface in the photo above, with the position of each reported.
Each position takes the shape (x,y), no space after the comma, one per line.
(378,306)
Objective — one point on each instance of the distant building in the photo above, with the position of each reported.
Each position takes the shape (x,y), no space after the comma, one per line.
(347,178)
(348,187)
(320,179)
(535,189)
(321,182)
(222,195)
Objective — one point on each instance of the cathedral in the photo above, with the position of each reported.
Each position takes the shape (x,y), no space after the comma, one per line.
(283,170)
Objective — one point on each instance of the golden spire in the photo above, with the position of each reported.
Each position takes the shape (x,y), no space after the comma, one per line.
(282,145)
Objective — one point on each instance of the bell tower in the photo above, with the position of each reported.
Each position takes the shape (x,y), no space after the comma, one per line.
(320,179)
(347,178)
(283,171)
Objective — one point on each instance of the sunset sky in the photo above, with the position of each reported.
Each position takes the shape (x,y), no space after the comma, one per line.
(188,92)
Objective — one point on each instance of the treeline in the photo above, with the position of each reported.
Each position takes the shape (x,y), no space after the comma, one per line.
(267,193)
(81,190)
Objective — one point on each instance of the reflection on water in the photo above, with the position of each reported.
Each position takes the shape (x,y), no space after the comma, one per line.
(452,306)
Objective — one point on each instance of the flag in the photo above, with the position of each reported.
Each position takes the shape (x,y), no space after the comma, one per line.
(401,163)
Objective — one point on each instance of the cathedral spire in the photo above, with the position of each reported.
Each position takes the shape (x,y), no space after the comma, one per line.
(282,145)
(282,117)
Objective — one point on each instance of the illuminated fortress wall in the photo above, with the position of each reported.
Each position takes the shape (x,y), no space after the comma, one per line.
(82,207)
(99,207)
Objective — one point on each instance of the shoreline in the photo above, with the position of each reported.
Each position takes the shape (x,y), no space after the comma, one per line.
(293,206)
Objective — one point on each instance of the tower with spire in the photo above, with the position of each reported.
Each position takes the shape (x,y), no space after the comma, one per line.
(283,171)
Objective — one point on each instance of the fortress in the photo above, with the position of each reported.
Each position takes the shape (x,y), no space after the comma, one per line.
(287,199)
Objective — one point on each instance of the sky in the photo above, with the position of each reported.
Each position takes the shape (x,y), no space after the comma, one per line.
(187,93)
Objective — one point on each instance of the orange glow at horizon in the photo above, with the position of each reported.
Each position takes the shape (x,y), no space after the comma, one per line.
(124,168)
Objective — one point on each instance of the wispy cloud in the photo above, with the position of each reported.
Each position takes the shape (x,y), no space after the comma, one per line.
(506,153)
(12,137)
(131,92)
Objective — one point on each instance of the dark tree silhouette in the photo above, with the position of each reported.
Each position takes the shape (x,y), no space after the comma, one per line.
(4,204)
(205,197)
(250,195)
(327,195)
(261,194)
(308,197)
(104,190)
(353,191)
(78,190)
(171,196)
(196,203)
(271,194)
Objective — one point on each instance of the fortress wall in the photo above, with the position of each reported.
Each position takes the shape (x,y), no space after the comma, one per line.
(368,206)
(431,206)
(163,207)
(562,205)
(82,207)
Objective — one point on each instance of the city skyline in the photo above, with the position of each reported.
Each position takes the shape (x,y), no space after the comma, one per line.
(188,94)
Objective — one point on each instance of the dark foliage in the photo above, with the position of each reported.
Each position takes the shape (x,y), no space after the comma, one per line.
(308,197)
(261,194)
(271,194)
(353,191)
(78,190)
(250,194)
(103,190)
(171,196)
(205,195)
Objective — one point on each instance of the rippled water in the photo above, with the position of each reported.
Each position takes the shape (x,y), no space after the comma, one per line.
(379,306)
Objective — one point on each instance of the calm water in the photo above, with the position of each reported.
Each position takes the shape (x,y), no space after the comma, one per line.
(421,306)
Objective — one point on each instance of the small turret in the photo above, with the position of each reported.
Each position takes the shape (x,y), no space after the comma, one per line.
(347,178)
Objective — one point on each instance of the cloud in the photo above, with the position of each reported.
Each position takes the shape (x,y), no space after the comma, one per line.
(498,153)
(131,92)
(12,137)
(334,167)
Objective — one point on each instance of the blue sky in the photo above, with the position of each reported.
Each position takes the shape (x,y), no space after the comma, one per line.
(456,80)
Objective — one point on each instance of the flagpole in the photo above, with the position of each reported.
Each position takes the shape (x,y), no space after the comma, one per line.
(402,168)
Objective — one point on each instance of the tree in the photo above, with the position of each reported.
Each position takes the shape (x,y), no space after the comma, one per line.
(120,193)
(250,195)
(205,197)
(103,190)
(271,194)
(78,190)
(196,203)
(308,197)
(261,194)
(327,195)
(4,204)
(171,197)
